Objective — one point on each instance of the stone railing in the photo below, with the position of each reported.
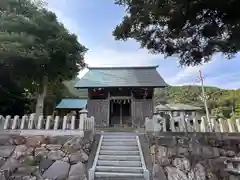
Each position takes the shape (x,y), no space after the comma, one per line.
(31,122)
(191,124)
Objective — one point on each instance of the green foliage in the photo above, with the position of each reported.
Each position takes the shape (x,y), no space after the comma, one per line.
(13,98)
(221,102)
(32,36)
(37,50)
(192,30)
(237,109)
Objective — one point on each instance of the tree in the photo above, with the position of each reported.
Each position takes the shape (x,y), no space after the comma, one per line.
(13,97)
(192,30)
(38,50)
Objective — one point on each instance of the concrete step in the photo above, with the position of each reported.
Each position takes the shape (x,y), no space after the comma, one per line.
(119,169)
(124,148)
(115,174)
(117,152)
(117,157)
(119,163)
(118,140)
(116,143)
(120,137)
(118,178)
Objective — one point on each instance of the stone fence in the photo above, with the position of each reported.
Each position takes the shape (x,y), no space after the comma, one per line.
(191,124)
(197,157)
(42,157)
(31,122)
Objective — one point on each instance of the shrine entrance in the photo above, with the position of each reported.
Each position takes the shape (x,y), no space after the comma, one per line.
(120,113)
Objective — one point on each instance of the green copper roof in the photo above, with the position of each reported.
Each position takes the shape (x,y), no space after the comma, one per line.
(121,77)
(72,104)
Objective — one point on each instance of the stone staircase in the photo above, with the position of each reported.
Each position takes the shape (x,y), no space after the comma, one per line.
(119,157)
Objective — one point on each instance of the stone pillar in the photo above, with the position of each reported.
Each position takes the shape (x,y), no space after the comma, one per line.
(215,125)
(73,119)
(7,121)
(56,123)
(82,117)
(31,121)
(196,125)
(161,122)
(172,123)
(92,123)
(48,122)
(203,125)
(231,127)
(15,122)
(182,122)
(238,124)
(40,120)
(23,121)
(212,125)
(221,125)
(148,124)
(64,125)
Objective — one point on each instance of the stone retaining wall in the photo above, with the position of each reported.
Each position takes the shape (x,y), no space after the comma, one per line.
(196,157)
(44,157)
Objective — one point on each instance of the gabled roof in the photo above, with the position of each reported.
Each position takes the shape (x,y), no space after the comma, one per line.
(180,106)
(72,104)
(176,107)
(162,107)
(121,77)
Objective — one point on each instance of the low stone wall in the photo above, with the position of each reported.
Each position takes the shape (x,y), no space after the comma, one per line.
(44,157)
(194,157)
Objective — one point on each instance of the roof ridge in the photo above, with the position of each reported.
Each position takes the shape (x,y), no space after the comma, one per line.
(125,67)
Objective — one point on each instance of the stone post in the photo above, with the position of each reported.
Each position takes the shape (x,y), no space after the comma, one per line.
(64,125)
(172,123)
(231,127)
(40,120)
(7,121)
(48,122)
(31,121)
(183,127)
(73,119)
(147,124)
(162,125)
(92,123)
(56,123)
(23,121)
(238,124)
(196,125)
(15,122)
(215,125)
(203,124)
(82,117)
(221,125)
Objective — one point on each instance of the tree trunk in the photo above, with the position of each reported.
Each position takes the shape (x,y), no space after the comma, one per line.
(40,98)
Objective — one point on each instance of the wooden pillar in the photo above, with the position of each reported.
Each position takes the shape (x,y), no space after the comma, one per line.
(121,116)
(109,109)
(132,108)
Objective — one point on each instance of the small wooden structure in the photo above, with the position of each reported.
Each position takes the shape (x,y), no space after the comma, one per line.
(179,109)
(68,105)
(121,96)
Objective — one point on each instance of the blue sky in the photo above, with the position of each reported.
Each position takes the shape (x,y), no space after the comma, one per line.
(94,20)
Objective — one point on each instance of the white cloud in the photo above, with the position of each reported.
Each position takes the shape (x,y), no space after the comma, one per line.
(111,57)
(69,23)
(102,56)
(105,56)
(190,75)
